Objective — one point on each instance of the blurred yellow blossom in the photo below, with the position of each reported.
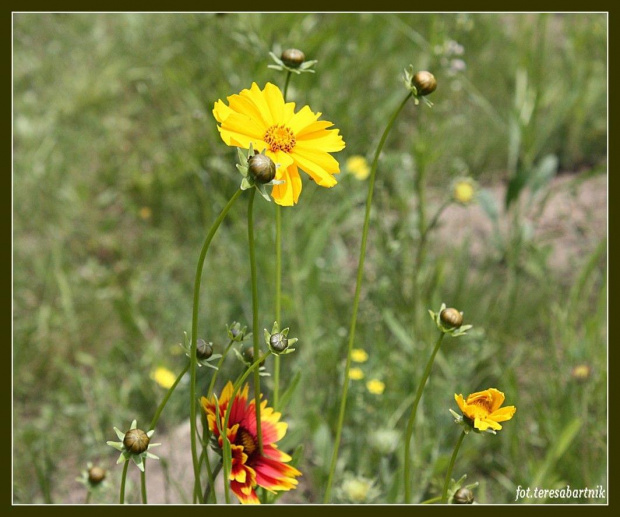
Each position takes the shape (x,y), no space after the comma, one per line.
(464,190)
(581,372)
(356,374)
(164,377)
(358,166)
(359,355)
(145,213)
(375,386)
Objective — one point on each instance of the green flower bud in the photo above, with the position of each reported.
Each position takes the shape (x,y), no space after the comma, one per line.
(463,496)
(279,342)
(262,168)
(248,355)
(424,82)
(96,475)
(136,441)
(451,317)
(293,58)
(204,350)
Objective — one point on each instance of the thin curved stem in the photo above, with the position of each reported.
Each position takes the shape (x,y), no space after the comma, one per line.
(427,229)
(89,493)
(259,431)
(163,403)
(414,410)
(444,494)
(143,484)
(356,299)
(276,366)
(193,361)
(123,481)
(226,448)
(286,82)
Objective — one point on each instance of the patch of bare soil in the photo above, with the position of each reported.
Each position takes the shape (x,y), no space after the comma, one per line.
(573,220)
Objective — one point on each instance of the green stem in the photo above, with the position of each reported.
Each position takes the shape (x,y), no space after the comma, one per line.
(278,302)
(166,398)
(207,432)
(356,300)
(143,484)
(123,480)
(414,409)
(226,449)
(432,500)
(446,483)
(427,230)
(89,493)
(288,79)
(276,366)
(193,361)
(259,431)
(209,488)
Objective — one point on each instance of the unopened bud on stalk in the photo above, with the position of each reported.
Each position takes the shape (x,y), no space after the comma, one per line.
(136,441)
(463,496)
(424,82)
(293,58)
(96,475)
(204,350)
(451,317)
(262,168)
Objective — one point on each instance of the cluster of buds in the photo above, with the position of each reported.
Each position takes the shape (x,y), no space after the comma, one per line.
(292,60)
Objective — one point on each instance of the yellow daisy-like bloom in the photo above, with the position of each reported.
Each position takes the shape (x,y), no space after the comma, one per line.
(292,140)
(164,377)
(375,386)
(484,409)
(359,355)
(358,166)
(356,374)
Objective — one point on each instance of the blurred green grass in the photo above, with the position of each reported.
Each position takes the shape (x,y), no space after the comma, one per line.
(119,171)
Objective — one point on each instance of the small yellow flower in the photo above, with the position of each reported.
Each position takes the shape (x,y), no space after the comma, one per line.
(359,355)
(375,386)
(145,213)
(356,374)
(483,409)
(581,372)
(164,377)
(358,166)
(464,190)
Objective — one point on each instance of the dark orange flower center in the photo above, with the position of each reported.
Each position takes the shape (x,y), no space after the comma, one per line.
(484,404)
(280,138)
(247,440)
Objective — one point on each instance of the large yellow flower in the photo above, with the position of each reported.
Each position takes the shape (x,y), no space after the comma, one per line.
(483,409)
(292,140)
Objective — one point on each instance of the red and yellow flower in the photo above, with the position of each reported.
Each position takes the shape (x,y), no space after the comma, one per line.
(292,140)
(483,409)
(250,468)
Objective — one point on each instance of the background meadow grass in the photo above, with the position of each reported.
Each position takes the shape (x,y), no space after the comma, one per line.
(119,172)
